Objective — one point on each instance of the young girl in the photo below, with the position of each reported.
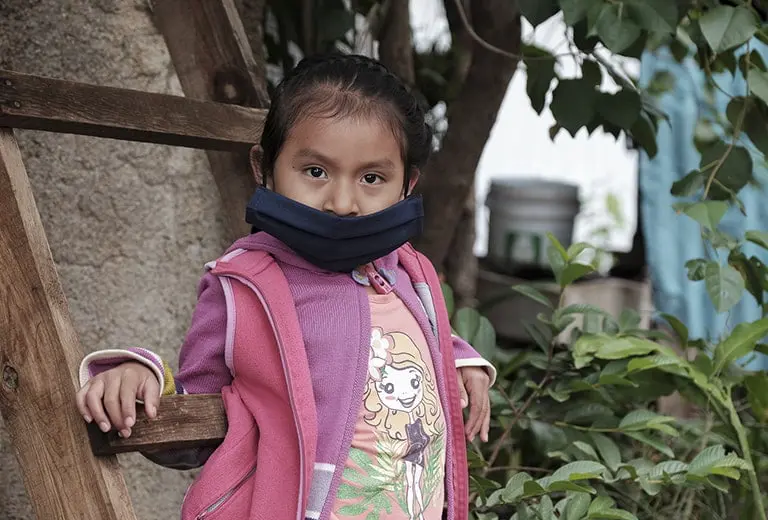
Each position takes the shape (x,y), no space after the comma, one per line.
(324,331)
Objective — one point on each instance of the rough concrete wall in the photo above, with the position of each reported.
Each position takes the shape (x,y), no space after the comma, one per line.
(130,225)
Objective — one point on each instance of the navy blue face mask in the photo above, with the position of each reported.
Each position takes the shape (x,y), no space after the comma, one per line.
(331,242)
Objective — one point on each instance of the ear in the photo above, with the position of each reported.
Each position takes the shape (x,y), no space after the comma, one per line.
(414,180)
(255,156)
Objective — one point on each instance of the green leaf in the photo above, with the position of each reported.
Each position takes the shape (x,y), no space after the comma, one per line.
(714,461)
(514,488)
(607,347)
(577,506)
(533,293)
(576,10)
(740,342)
(587,413)
(579,470)
(757,391)
(609,450)
(533,489)
(574,271)
(615,28)
(538,11)
(576,249)
(726,27)
(546,510)
(573,103)
(696,269)
(758,237)
(547,436)
(724,285)
(539,74)
(638,420)
(601,503)
(656,361)
(708,213)
(612,514)
(556,262)
(566,485)
(448,296)
(643,132)
(679,327)
(592,73)
(757,80)
(752,274)
(755,116)
(735,170)
(653,443)
(621,109)
(477,330)
(586,449)
(655,16)
(689,185)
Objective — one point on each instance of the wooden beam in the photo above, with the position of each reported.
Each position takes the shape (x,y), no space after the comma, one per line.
(39,356)
(214,62)
(38,103)
(183,421)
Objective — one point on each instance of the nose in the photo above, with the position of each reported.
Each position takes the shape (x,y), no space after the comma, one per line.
(341,200)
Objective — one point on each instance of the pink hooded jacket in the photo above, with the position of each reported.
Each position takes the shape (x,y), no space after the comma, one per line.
(286,344)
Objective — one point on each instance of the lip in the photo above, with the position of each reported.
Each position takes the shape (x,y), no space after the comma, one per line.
(407,402)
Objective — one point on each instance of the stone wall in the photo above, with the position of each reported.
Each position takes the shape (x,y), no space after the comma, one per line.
(130,225)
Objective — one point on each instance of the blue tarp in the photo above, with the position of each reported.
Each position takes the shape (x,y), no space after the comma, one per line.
(673,239)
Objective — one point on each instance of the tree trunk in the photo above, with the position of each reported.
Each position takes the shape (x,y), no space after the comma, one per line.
(450,176)
(395,42)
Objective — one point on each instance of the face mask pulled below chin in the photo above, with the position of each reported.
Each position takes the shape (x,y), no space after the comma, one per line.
(330,242)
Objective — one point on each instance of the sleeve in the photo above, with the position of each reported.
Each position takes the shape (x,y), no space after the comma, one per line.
(202,365)
(466,356)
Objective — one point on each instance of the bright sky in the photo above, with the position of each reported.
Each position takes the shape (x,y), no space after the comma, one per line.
(519,145)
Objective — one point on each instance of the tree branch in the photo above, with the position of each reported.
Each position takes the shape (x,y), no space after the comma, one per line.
(451,173)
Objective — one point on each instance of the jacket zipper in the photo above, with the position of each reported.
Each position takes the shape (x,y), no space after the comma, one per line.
(286,373)
(226,496)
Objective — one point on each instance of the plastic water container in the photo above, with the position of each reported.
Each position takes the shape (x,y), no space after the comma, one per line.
(522,212)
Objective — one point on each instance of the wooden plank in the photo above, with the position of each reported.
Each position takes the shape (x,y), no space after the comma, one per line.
(39,356)
(183,421)
(38,103)
(214,61)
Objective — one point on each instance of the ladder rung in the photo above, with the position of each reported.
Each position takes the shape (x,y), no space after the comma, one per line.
(183,421)
(53,105)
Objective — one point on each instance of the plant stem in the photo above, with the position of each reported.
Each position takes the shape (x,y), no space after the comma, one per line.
(746,454)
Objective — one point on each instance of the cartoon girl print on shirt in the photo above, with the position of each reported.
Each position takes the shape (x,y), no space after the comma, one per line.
(401,399)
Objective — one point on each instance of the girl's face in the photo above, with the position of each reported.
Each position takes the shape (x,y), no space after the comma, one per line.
(401,389)
(345,166)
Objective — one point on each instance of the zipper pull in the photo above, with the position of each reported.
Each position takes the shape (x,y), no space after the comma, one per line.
(379,284)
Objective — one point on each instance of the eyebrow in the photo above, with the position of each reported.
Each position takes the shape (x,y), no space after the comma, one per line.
(309,153)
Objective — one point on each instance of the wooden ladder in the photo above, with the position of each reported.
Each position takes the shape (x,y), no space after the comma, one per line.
(69,474)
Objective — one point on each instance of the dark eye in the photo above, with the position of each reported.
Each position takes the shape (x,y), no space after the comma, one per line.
(389,388)
(415,383)
(315,172)
(371,178)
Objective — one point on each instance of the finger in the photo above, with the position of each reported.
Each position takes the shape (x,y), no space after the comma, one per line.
(94,401)
(150,394)
(475,411)
(129,388)
(486,427)
(462,391)
(112,402)
(82,406)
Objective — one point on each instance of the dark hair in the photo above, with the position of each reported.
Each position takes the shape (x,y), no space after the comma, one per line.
(342,85)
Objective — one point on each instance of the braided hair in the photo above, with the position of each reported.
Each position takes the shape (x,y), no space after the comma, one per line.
(346,85)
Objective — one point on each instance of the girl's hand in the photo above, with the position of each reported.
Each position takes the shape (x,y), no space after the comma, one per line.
(116,390)
(474,384)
